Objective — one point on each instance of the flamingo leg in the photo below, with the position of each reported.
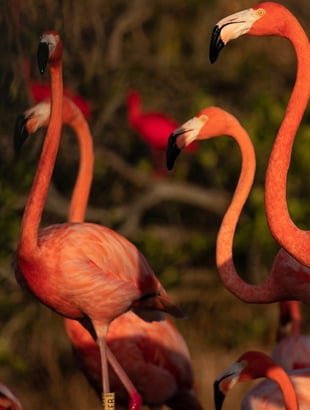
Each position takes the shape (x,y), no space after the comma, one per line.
(135,398)
(107,398)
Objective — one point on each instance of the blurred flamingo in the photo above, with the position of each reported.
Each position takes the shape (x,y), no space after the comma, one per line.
(8,401)
(82,271)
(274,19)
(281,284)
(40,91)
(281,390)
(161,352)
(154,356)
(154,128)
(292,350)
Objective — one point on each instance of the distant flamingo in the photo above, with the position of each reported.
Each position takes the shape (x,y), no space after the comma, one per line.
(41,91)
(154,356)
(162,353)
(153,127)
(282,282)
(82,271)
(290,391)
(38,116)
(292,350)
(7,399)
(275,19)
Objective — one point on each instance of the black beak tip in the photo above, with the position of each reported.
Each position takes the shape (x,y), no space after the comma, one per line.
(219,397)
(172,151)
(42,56)
(216,44)
(20,133)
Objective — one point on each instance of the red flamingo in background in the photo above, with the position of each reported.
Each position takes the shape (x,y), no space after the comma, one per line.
(154,356)
(154,128)
(281,390)
(275,19)
(292,350)
(41,91)
(161,366)
(282,282)
(8,401)
(83,271)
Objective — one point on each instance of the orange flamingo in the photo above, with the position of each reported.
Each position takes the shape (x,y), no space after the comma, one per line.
(275,19)
(153,127)
(154,356)
(161,352)
(8,401)
(281,284)
(38,116)
(290,391)
(292,350)
(82,271)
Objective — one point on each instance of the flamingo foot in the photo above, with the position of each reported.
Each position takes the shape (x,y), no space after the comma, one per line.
(135,402)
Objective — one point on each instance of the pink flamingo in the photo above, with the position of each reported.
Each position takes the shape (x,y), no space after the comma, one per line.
(292,350)
(8,401)
(153,127)
(281,390)
(282,282)
(41,91)
(83,271)
(161,352)
(38,116)
(274,19)
(154,356)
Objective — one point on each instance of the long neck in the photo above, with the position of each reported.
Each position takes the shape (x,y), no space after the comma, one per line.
(224,244)
(82,186)
(278,375)
(290,237)
(35,204)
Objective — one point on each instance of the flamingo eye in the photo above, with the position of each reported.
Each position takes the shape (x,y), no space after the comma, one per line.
(260,12)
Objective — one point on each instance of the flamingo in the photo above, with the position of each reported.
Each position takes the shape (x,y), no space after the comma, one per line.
(292,351)
(38,116)
(153,127)
(41,91)
(280,390)
(154,355)
(8,399)
(83,271)
(274,19)
(162,357)
(281,283)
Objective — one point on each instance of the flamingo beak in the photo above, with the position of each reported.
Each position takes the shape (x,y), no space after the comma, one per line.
(172,149)
(219,396)
(20,132)
(216,44)
(42,56)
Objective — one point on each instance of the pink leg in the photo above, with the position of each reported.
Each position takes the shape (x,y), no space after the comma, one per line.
(135,398)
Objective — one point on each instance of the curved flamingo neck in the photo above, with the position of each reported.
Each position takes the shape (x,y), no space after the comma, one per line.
(263,366)
(224,244)
(290,237)
(82,186)
(36,199)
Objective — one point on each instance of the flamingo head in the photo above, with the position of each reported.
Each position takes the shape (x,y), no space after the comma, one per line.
(234,26)
(208,123)
(29,122)
(50,49)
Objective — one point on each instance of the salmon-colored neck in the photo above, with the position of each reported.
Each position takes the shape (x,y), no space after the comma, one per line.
(35,204)
(290,237)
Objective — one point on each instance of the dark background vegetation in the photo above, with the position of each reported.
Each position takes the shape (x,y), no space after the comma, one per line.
(161,49)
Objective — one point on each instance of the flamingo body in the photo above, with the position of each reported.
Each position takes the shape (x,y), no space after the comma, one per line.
(154,355)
